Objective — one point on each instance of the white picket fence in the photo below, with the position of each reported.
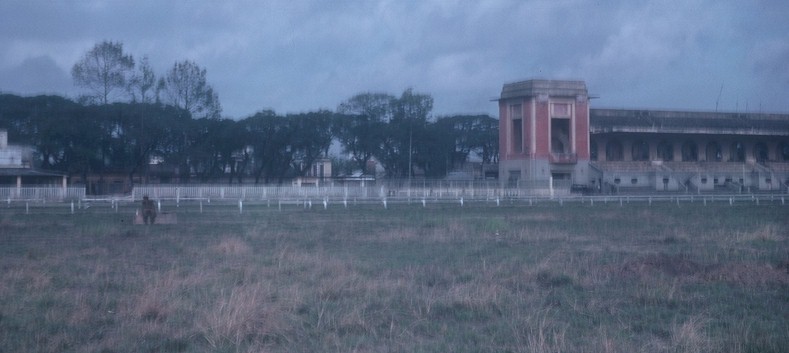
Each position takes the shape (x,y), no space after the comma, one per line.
(430,192)
(42,193)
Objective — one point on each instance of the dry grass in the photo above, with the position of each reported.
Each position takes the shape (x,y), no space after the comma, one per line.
(519,279)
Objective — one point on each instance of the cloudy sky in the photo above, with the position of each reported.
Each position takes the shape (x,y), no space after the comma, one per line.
(303,55)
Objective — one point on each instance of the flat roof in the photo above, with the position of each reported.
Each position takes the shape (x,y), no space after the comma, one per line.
(534,87)
(27,172)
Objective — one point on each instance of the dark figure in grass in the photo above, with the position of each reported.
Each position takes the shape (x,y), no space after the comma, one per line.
(148,210)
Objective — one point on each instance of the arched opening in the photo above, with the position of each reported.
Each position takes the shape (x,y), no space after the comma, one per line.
(613,151)
(737,152)
(714,152)
(640,151)
(690,152)
(760,152)
(665,151)
(593,150)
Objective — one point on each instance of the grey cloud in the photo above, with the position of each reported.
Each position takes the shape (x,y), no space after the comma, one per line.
(310,54)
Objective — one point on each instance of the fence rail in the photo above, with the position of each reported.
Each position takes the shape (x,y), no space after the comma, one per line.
(42,193)
(394,191)
(433,191)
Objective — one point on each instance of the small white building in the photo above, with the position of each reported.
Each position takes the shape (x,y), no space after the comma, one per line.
(16,167)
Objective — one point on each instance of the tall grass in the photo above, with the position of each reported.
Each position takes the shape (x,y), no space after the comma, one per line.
(547,278)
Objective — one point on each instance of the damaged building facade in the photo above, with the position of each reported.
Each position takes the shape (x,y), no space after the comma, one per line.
(548,132)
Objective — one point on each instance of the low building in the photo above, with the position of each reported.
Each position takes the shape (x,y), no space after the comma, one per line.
(16,167)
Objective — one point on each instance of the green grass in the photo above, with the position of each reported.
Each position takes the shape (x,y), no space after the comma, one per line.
(545,278)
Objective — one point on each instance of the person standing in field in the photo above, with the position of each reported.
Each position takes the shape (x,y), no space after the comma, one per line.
(148,210)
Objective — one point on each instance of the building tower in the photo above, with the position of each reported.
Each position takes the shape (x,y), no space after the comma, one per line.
(544,132)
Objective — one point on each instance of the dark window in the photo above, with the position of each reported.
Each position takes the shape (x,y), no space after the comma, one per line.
(613,151)
(760,152)
(737,152)
(783,151)
(714,152)
(665,151)
(640,151)
(690,152)
(517,135)
(560,135)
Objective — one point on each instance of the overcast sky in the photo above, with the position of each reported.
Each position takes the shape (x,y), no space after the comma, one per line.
(304,55)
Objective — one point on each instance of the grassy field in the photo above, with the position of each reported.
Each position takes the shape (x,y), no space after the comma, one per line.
(545,278)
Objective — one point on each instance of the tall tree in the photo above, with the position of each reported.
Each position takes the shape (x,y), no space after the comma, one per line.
(360,126)
(103,70)
(312,137)
(142,83)
(185,86)
(270,137)
(406,133)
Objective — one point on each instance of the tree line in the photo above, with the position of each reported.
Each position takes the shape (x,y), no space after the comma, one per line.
(129,120)
(79,139)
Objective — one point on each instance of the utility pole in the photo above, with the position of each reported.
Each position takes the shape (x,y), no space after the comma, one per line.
(410,144)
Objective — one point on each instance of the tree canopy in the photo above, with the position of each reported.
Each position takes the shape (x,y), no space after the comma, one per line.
(103,70)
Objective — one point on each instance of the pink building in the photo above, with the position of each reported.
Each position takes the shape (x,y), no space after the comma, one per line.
(548,132)
(544,131)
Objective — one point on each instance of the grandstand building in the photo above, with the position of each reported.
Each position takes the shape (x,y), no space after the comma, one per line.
(547,132)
